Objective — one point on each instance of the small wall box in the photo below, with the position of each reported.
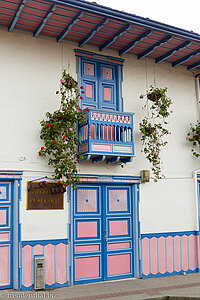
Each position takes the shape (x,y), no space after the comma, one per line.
(39,270)
(145,176)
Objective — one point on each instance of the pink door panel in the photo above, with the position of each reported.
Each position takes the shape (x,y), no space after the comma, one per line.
(87,267)
(119,264)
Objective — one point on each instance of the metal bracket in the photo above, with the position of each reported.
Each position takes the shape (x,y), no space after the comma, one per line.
(127,159)
(113,159)
(86,157)
(99,158)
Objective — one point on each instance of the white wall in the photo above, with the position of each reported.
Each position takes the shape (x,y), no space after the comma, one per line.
(29,76)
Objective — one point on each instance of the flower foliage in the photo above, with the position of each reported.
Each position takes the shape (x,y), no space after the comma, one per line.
(194,137)
(153,127)
(59,133)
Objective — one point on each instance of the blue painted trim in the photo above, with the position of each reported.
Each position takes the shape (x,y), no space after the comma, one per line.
(56,285)
(193,66)
(27,288)
(16,17)
(171,52)
(132,44)
(166,234)
(110,177)
(44,242)
(169,274)
(69,26)
(10,172)
(92,32)
(45,19)
(153,47)
(47,286)
(185,58)
(114,37)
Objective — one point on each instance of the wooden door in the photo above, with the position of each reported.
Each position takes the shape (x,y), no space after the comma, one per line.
(102,233)
(100,83)
(5,235)
(118,228)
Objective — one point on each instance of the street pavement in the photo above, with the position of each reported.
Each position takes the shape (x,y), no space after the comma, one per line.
(172,288)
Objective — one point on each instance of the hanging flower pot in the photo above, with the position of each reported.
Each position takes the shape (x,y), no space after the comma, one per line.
(152,127)
(197,138)
(194,137)
(60,137)
(154,96)
(150,130)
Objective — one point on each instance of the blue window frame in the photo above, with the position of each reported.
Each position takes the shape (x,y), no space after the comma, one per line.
(101,78)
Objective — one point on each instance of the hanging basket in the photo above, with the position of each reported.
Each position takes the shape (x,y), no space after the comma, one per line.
(150,130)
(154,96)
(197,138)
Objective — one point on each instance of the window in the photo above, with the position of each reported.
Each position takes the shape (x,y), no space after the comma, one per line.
(101,78)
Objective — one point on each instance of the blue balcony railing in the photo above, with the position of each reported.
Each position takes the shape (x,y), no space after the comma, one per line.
(107,135)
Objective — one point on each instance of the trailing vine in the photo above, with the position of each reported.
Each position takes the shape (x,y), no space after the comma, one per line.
(59,133)
(194,137)
(153,127)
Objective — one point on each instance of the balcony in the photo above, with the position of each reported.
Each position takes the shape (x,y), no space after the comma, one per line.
(107,135)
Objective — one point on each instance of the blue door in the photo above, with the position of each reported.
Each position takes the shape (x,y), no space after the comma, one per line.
(100,85)
(103,232)
(5,235)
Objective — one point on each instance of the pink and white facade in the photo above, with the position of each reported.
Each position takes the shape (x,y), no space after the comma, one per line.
(113,226)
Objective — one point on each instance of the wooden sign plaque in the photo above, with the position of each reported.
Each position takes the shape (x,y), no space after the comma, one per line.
(44,195)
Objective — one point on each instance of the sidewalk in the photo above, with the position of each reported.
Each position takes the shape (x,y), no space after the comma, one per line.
(172,287)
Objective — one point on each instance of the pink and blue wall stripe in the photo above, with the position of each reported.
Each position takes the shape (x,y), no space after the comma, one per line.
(171,253)
(57,263)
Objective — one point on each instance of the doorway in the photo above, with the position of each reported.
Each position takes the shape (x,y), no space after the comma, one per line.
(103,232)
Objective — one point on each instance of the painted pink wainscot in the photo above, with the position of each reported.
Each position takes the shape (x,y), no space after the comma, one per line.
(50,264)
(173,253)
(61,263)
(27,266)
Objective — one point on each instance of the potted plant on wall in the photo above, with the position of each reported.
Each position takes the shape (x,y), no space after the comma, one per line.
(59,133)
(193,136)
(153,127)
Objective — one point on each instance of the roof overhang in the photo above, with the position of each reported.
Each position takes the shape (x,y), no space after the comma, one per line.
(89,23)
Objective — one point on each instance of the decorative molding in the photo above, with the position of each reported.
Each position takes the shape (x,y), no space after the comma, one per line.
(94,56)
(113,179)
(111,117)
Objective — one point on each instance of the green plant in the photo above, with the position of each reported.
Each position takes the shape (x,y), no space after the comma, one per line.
(153,127)
(194,137)
(59,133)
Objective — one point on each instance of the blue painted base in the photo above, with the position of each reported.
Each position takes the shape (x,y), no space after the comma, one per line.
(170,274)
(5,287)
(52,286)
(28,288)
